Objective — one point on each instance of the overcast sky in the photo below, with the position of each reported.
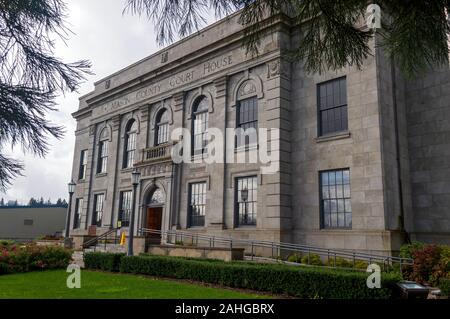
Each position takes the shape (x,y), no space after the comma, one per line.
(110,41)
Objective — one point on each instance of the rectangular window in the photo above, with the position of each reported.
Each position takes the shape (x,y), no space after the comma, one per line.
(246,200)
(83,165)
(130,150)
(102,157)
(163,134)
(335,197)
(98,210)
(247,120)
(78,211)
(197,204)
(125,208)
(201,134)
(28,222)
(332,104)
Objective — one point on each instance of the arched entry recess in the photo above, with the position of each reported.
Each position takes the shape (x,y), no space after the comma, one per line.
(154,211)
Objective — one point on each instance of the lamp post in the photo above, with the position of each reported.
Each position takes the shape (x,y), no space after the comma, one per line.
(71,189)
(244,196)
(135,176)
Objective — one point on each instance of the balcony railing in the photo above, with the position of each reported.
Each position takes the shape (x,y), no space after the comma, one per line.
(158,153)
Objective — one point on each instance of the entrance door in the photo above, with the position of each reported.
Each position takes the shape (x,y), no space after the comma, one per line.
(154,220)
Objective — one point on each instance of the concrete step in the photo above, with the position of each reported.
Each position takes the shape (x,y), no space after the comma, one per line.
(78,258)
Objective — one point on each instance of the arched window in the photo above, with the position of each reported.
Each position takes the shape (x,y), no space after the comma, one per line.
(162,127)
(130,144)
(200,126)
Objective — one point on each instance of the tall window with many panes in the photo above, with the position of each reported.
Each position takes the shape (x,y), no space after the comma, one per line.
(335,199)
(98,210)
(247,120)
(130,144)
(102,157)
(78,210)
(246,201)
(83,165)
(197,204)
(332,104)
(125,208)
(200,126)
(162,127)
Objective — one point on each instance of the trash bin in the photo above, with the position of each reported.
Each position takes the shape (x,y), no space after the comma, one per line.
(412,290)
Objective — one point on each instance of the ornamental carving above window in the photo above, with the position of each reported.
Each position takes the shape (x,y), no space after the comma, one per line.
(247,88)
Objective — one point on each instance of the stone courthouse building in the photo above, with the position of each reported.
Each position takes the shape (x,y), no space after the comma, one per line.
(362,154)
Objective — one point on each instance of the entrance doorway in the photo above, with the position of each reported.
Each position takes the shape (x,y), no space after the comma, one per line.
(154,215)
(154,221)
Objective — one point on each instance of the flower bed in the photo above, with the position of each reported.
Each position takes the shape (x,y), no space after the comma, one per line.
(15,258)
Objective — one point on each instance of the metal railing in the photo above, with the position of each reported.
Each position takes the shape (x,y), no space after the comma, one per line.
(110,237)
(158,153)
(276,250)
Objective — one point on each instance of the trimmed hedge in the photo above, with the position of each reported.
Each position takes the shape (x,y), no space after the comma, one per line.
(277,279)
(103,261)
(445,287)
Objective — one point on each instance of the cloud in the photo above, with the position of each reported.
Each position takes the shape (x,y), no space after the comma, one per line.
(111,41)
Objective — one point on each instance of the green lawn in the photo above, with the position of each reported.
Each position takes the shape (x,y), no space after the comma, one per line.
(96,285)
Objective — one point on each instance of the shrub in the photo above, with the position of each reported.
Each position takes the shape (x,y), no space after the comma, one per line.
(295,281)
(445,287)
(339,262)
(16,259)
(103,261)
(361,264)
(295,258)
(426,262)
(406,251)
(312,259)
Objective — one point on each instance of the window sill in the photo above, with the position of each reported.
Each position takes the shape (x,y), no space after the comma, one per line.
(333,137)
(246,227)
(197,228)
(246,148)
(335,229)
(101,175)
(126,170)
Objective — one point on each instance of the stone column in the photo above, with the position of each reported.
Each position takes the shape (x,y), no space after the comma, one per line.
(215,218)
(90,175)
(178,120)
(277,115)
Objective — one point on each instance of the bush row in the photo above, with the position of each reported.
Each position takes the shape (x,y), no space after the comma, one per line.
(315,260)
(17,259)
(277,279)
(431,262)
(445,287)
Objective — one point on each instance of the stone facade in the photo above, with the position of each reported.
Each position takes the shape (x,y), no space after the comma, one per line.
(396,146)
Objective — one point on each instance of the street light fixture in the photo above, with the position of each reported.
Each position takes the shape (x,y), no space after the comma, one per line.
(71,189)
(135,177)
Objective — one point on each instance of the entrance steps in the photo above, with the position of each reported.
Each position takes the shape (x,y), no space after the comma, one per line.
(78,258)
(108,248)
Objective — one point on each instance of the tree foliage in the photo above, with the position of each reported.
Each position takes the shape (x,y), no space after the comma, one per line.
(415,32)
(31,77)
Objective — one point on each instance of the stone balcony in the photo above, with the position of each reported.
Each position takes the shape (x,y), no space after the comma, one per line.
(156,160)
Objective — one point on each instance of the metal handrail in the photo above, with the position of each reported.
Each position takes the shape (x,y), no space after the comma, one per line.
(278,247)
(95,240)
